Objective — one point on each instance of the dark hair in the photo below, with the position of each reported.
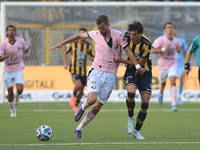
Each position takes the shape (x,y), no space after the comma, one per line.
(10,26)
(167,24)
(136,26)
(83,29)
(102,18)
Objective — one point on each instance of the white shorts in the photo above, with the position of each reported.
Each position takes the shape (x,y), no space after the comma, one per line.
(164,74)
(100,82)
(12,77)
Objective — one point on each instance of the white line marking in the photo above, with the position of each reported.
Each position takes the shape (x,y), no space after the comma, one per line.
(109,110)
(118,143)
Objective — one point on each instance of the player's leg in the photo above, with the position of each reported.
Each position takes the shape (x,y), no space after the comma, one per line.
(19,82)
(11,102)
(77,86)
(130,103)
(93,89)
(144,86)
(80,92)
(172,74)
(180,91)
(8,78)
(180,70)
(130,81)
(174,92)
(142,115)
(105,86)
(163,78)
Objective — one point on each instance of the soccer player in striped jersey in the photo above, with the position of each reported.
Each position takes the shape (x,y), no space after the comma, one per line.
(141,47)
(166,46)
(80,51)
(194,47)
(11,52)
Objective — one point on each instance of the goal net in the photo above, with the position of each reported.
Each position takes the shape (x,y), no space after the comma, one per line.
(44,24)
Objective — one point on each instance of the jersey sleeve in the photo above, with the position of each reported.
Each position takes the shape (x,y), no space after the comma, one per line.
(69,48)
(157,43)
(194,45)
(2,52)
(122,41)
(147,51)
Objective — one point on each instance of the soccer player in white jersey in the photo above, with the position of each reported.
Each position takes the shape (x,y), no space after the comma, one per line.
(11,52)
(101,77)
(180,60)
(166,46)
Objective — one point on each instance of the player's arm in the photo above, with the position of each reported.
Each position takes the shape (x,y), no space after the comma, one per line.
(118,59)
(160,50)
(134,60)
(187,65)
(72,38)
(2,58)
(65,60)
(27,54)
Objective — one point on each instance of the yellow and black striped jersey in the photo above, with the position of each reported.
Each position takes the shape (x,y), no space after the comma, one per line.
(78,60)
(141,50)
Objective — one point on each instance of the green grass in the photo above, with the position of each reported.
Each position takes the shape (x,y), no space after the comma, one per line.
(163,129)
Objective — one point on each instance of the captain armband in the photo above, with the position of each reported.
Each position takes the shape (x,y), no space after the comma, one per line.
(187,66)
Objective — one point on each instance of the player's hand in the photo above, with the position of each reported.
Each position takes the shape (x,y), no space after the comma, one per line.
(117,59)
(178,49)
(185,73)
(26,56)
(140,71)
(66,66)
(59,46)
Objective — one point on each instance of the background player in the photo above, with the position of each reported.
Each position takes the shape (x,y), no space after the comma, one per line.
(180,60)
(80,51)
(141,47)
(166,46)
(11,53)
(102,75)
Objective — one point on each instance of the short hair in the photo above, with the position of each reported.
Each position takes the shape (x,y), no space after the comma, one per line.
(167,24)
(102,18)
(83,29)
(136,26)
(10,26)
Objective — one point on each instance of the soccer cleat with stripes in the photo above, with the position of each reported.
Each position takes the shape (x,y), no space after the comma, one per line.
(78,134)
(79,113)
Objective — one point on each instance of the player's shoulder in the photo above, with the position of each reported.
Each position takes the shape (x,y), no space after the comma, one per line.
(197,38)
(126,34)
(19,38)
(146,40)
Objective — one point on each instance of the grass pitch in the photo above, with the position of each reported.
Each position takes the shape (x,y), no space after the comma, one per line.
(163,129)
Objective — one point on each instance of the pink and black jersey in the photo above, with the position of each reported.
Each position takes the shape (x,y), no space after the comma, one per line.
(167,59)
(15,61)
(104,53)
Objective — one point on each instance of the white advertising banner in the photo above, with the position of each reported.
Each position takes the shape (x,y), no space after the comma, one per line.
(116,96)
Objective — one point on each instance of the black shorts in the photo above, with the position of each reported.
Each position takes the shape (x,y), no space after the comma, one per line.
(142,82)
(76,77)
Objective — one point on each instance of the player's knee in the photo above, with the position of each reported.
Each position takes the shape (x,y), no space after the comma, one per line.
(131,95)
(144,107)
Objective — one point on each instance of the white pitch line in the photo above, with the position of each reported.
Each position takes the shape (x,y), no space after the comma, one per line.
(118,143)
(109,110)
